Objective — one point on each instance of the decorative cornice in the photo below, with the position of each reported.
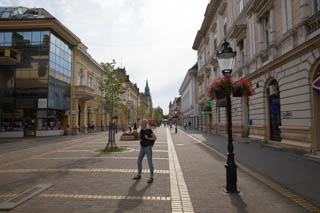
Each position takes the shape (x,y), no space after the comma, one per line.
(222,8)
(260,7)
(294,53)
(208,16)
(238,31)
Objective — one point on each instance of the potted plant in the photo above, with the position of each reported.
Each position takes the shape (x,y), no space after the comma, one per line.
(134,135)
(219,87)
(243,88)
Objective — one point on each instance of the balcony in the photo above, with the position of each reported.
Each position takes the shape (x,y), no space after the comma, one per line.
(9,56)
(84,92)
(313,23)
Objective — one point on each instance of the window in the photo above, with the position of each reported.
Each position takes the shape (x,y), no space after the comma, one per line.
(266,30)
(90,82)
(215,42)
(225,27)
(80,77)
(316,5)
(252,37)
(286,9)
(241,50)
(240,6)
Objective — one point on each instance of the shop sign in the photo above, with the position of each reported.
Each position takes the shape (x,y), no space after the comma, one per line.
(74,112)
(316,83)
(42,103)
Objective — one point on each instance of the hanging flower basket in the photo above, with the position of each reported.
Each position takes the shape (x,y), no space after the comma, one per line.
(237,92)
(219,88)
(243,88)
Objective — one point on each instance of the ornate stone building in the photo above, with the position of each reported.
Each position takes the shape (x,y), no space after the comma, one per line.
(277,44)
(86,109)
(189,98)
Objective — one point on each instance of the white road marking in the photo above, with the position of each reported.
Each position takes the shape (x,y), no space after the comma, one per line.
(180,198)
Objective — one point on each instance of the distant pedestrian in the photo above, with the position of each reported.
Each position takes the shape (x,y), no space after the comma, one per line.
(185,125)
(189,124)
(92,126)
(135,127)
(147,139)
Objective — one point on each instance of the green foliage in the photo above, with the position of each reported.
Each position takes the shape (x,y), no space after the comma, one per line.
(157,116)
(112,87)
(133,133)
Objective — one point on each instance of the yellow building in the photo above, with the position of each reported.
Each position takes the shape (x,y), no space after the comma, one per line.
(86,109)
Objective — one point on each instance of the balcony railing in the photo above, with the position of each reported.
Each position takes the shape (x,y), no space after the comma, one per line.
(313,23)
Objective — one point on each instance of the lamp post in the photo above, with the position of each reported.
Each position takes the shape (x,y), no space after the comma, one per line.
(225,59)
(176,116)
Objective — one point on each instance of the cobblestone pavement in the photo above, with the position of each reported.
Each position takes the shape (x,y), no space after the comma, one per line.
(189,177)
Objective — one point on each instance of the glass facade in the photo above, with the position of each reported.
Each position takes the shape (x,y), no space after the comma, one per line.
(60,74)
(35,93)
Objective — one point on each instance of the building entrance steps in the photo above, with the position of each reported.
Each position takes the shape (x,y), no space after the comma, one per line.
(292,178)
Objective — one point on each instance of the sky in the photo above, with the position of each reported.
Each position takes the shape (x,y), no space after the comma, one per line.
(152,39)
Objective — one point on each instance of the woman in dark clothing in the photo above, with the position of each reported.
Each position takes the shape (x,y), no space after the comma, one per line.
(147,139)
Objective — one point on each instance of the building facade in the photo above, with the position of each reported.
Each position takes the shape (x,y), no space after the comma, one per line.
(86,109)
(189,96)
(277,44)
(36,53)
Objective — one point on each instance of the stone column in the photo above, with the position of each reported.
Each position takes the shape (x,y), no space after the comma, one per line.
(74,117)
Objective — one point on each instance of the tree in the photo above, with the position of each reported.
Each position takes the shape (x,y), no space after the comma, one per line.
(157,116)
(112,87)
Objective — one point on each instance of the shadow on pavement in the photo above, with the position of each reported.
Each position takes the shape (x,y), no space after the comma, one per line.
(237,202)
(131,204)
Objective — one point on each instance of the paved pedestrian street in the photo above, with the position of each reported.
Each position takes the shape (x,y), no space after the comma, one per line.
(189,177)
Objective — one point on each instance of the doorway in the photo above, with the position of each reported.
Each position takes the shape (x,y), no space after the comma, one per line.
(273,94)
(29,122)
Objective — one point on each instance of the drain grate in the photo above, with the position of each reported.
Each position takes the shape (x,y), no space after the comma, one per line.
(23,197)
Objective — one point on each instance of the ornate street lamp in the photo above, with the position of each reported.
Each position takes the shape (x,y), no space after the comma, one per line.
(225,59)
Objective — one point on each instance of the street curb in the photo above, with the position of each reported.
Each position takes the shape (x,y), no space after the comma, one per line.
(292,196)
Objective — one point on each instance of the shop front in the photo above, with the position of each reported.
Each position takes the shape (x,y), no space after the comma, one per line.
(35,93)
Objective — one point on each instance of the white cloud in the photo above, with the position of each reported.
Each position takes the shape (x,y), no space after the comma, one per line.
(151,38)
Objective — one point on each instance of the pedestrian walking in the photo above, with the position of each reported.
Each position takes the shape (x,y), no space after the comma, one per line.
(147,139)
(185,125)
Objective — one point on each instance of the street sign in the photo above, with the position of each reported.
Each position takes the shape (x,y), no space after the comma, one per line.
(316,83)
(206,112)
(209,103)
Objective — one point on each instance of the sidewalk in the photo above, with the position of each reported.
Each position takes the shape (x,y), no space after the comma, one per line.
(290,170)
(205,176)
